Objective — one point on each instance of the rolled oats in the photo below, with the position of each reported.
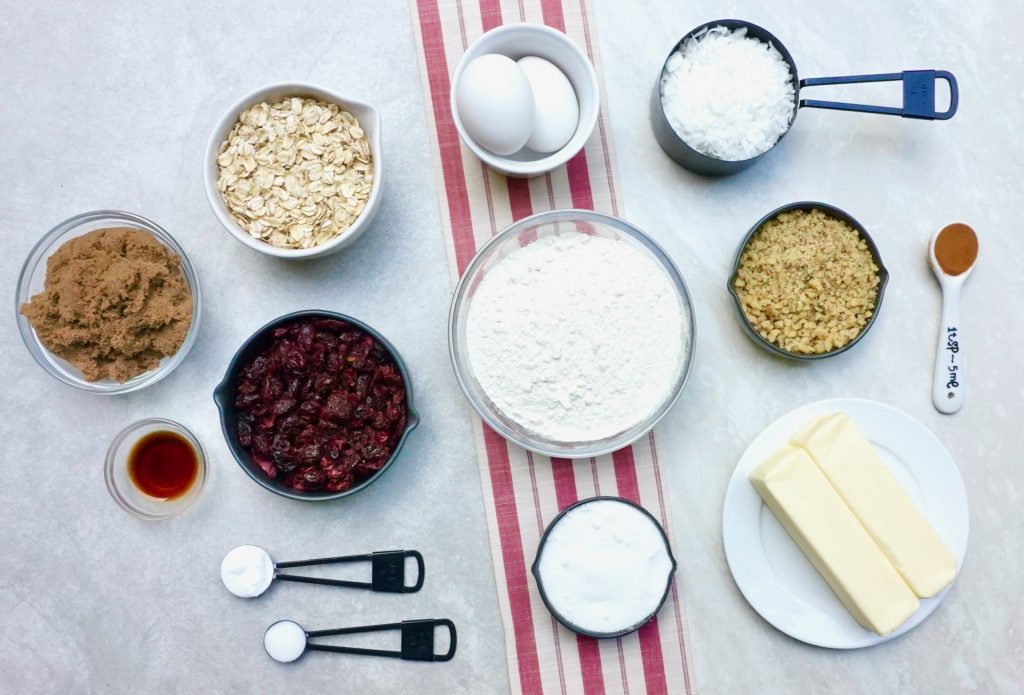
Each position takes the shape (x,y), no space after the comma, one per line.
(297,173)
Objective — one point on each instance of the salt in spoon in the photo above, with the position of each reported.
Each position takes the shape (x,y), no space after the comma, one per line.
(286,640)
(952,252)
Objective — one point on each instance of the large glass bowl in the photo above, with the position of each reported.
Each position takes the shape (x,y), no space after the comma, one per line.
(33,274)
(514,237)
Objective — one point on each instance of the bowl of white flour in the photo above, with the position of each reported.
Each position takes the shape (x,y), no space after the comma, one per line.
(571,333)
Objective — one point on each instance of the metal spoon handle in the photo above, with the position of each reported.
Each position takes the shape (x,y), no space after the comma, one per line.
(387,571)
(322,580)
(325,561)
(918,94)
(417,640)
(948,381)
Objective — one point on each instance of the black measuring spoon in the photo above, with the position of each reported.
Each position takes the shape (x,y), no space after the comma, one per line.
(387,571)
(286,640)
(918,101)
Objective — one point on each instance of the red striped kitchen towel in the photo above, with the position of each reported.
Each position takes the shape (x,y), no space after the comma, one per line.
(522,492)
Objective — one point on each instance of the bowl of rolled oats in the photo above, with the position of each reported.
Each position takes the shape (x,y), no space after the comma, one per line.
(294,170)
(807,281)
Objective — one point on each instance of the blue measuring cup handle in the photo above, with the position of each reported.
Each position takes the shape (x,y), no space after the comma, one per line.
(918,94)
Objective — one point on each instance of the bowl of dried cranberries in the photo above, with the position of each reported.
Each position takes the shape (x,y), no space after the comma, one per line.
(316,405)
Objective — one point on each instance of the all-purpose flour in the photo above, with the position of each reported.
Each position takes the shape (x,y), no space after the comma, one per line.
(576,337)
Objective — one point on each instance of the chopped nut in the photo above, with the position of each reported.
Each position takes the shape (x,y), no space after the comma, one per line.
(807,282)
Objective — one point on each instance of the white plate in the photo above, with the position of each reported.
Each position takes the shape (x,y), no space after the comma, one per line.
(775,576)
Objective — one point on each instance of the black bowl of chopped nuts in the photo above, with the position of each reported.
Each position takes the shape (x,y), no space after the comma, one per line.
(293,170)
(807,281)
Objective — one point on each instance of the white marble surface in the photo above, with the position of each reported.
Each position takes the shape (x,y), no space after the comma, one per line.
(108,104)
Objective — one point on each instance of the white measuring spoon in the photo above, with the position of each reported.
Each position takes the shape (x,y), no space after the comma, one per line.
(948,380)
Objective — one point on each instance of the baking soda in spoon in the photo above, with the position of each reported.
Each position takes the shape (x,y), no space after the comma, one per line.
(247,571)
(952,253)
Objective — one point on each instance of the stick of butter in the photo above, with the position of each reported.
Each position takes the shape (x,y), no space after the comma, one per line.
(878,500)
(816,517)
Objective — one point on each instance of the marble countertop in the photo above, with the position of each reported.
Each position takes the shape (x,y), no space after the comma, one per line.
(109,104)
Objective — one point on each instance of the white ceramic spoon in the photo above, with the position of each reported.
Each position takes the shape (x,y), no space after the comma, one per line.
(948,381)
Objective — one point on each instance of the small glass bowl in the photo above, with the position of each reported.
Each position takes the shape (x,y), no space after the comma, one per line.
(514,237)
(119,482)
(33,275)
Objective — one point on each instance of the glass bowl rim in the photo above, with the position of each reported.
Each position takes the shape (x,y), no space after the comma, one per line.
(553,449)
(177,507)
(39,352)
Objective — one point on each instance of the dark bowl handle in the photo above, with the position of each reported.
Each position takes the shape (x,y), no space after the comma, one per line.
(412,420)
(918,94)
(220,395)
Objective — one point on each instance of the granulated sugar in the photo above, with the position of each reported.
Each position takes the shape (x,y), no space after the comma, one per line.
(605,566)
(728,95)
(576,337)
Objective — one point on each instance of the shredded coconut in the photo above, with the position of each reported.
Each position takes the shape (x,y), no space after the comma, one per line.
(728,95)
(575,337)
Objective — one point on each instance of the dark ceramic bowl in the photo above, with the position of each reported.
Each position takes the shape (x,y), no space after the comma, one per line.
(883,279)
(535,569)
(674,145)
(224,396)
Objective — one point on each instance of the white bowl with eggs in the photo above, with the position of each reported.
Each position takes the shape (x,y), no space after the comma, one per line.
(369,121)
(493,101)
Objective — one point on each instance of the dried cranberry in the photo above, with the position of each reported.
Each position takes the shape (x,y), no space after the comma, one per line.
(283,406)
(310,453)
(261,444)
(269,468)
(244,432)
(322,407)
(337,407)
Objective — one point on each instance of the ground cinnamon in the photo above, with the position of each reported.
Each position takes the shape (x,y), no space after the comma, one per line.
(956,248)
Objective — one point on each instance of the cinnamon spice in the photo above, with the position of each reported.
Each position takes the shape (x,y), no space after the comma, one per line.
(956,248)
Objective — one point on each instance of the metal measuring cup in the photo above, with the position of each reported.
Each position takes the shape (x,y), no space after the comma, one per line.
(918,101)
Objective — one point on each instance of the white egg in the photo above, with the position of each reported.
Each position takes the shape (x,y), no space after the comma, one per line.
(495,103)
(557,111)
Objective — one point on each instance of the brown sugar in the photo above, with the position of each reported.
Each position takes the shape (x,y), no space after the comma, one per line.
(956,248)
(114,303)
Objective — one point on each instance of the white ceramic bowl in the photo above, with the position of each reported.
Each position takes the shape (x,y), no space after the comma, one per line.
(517,41)
(369,121)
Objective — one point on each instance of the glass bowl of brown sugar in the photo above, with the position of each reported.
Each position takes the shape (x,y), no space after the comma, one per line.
(77,357)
